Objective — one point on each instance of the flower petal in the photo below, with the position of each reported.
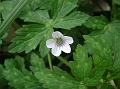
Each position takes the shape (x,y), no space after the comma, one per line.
(50,43)
(57,34)
(66,48)
(56,51)
(68,39)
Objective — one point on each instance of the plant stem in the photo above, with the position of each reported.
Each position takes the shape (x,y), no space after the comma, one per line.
(50,62)
(63,60)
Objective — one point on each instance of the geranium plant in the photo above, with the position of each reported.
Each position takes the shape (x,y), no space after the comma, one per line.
(59,44)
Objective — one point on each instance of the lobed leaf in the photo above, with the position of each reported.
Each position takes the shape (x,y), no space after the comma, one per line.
(20,79)
(82,65)
(72,20)
(53,79)
(38,16)
(28,38)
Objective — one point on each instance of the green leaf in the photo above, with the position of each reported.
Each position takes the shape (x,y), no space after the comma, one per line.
(3,82)
(12,16)
(81,66)
(96,22)
(42,47)
(35,4)
(38,16)
(19,62)
(6,10)
(20,79)
(106,86)
(63,7)
(104,49)
(0,42)
(56,79)
(71,21)
(98,71)
(112,36)
(28,37)
(95,78)
(117,2)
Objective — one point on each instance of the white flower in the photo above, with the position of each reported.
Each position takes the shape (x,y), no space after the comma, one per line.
(59,43)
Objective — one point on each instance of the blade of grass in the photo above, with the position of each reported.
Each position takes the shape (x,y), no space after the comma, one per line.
(12,16)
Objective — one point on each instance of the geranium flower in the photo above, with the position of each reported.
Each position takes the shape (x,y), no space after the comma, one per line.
(59,43)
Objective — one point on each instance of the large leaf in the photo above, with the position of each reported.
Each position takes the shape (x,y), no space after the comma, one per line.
(56,79)
(20,79)
(28,37)
(105,51)
(112,36)
(97,46)
(82,65)
(72,20)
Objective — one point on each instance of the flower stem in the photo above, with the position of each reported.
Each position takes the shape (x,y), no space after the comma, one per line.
(50,62)
(63,60)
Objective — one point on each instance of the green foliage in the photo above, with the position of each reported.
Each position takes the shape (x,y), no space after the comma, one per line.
(117,2)
(60,79)
(105,48)
(71,21)
(82,65)
(12,16)
(28,38)
(94,61)
(38,16)
(96,22)
(20,78)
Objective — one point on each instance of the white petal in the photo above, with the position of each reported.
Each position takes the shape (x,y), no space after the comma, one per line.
(57,34)
(66,48)
(56,51)
(50,43)
(68,39)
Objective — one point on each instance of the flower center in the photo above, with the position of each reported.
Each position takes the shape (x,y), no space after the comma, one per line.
(59,41)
